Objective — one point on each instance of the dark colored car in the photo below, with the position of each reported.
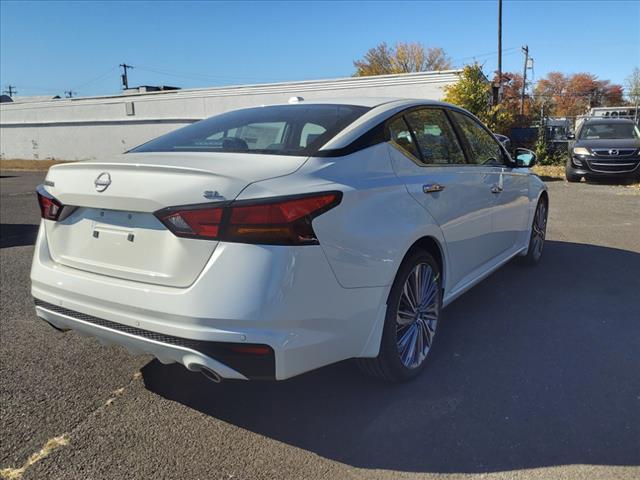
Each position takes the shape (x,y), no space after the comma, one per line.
(604,148)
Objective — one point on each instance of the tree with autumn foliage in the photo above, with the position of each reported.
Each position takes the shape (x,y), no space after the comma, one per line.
(473,93)
(403,58)
(572,95)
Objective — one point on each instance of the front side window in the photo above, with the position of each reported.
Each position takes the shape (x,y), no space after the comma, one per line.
(485,150)
(435,137)
(597,131)
(277,130)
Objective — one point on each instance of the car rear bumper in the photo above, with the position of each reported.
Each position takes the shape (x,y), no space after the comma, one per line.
(286,298)
(219,357)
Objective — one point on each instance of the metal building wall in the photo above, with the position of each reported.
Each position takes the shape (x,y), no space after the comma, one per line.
(97,127)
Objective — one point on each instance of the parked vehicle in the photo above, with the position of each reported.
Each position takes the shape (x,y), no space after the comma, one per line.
(555,135)
(267,242)
(604,147)
(523,136)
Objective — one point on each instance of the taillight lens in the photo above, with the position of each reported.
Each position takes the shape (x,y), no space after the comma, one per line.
(201,222)
(274,221)
(50,208)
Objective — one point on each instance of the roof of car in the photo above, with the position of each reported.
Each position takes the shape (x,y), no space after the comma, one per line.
(370,102)
(608,120)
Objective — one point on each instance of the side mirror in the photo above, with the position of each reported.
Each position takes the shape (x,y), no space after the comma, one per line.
(525,158)
(571,136)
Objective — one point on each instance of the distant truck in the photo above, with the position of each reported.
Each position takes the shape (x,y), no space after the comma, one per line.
(556,130)
(631,113)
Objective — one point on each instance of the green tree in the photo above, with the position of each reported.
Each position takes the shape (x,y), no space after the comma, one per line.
(403,58)
(472,92)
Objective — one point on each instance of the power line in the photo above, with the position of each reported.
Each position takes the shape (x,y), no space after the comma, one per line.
(96,79)
(194,76)
(488,54)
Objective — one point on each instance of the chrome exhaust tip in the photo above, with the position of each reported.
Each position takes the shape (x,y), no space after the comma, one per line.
(210,374)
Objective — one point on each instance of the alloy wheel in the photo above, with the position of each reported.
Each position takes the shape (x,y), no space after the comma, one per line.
(539,230)
(417,316)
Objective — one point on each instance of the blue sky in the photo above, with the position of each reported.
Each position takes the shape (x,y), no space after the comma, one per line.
(49,47)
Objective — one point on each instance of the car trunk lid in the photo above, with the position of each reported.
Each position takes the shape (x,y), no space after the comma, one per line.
(112,229)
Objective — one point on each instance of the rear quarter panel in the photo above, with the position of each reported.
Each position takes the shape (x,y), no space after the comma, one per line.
(366,237)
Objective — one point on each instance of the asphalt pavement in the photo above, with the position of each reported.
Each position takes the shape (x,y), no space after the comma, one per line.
(535,374)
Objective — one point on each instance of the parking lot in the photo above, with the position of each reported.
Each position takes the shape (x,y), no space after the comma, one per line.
(534,375)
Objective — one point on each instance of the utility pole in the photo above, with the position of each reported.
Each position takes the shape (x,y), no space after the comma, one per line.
(497,86)
(125,79)
(69,93)
(499,48)
(525,49)
(11,90)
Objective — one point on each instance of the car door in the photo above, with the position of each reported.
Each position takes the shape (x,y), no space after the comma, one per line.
(427,155)
(510,187)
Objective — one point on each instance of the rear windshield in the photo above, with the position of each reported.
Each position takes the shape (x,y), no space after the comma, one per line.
(596,131)
(277,130)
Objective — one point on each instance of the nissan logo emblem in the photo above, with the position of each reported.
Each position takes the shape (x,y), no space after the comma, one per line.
(613,151)
(102,182)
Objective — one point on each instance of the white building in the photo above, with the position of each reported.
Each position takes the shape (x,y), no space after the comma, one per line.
(95,127)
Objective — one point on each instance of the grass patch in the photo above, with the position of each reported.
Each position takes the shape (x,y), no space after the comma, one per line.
(549,172)
(32,165)
(50,446)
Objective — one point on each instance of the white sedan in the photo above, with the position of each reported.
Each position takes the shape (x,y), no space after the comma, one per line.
(267,242)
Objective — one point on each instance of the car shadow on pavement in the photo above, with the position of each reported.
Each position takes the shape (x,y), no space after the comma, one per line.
(533,367)
(17,234)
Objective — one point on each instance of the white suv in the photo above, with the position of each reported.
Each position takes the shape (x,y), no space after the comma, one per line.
(266,242)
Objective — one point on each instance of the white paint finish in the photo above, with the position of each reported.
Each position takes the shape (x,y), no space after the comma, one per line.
(98,127)
(313,304)
(164,352)
(131,245)
(146,182)
(284,297)
(368,235)
(462,211)
(508,218)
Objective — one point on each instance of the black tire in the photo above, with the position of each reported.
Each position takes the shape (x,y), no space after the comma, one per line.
(388,365)
(539,231)
(570,176)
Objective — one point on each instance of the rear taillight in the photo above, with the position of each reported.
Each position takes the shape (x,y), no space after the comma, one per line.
(50,208)
(274,221)
(197,222)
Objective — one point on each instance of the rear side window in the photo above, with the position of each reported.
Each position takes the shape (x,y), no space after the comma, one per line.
(400,136)
(310,132)
(435,137)
(484,149)
(277,130)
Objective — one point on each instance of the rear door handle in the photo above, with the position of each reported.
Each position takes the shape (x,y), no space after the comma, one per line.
(496,189)
(432,188)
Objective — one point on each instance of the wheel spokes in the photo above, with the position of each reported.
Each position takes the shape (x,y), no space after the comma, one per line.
(417,316)
(539,228)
